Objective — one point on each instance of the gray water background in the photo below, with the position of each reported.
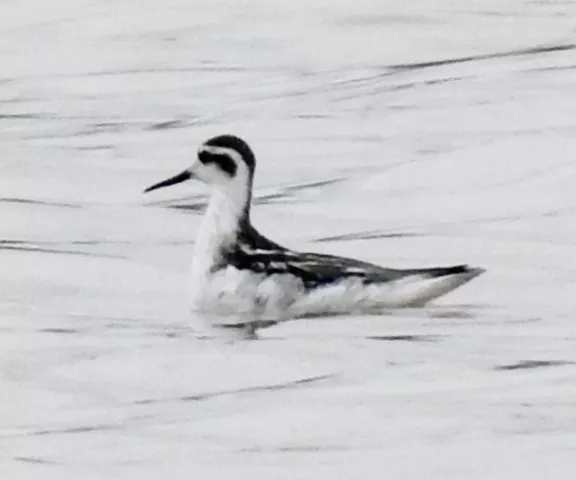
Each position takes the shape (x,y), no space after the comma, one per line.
(407,134)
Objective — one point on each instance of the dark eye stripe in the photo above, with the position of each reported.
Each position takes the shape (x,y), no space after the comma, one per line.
(224,162)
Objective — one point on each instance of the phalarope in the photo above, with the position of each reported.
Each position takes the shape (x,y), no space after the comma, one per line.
(240,277)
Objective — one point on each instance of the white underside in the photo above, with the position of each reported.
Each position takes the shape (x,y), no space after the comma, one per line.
(228,296)
(233,296)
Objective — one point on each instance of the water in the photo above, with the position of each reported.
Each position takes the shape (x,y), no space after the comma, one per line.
(408,135)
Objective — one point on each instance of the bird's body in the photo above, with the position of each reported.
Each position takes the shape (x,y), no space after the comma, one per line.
(239,277)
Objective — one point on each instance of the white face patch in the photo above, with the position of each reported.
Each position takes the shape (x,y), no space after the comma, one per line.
(230,170)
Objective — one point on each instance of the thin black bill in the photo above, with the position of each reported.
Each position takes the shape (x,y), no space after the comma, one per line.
(181,177)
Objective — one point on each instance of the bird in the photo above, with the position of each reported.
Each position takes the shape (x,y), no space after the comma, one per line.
(240,279)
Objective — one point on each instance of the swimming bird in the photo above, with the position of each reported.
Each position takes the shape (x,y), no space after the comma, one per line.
(240,278)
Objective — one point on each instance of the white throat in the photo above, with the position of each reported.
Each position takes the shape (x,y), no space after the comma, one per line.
(227,208)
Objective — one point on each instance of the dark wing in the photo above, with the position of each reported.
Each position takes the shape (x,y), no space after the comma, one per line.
(255,252)
(313,269)
(320,269)
(251,239)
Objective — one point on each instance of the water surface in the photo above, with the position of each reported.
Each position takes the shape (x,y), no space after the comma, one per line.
(408,135)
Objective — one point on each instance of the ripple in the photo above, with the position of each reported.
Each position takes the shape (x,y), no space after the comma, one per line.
(532,364)
(240,391)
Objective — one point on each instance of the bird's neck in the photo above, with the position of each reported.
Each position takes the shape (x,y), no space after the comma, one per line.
(227,213)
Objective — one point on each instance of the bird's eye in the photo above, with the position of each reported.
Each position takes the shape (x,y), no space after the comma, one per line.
(222,161)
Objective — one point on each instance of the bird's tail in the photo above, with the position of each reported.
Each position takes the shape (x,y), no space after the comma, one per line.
(435,272)
(442,281)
